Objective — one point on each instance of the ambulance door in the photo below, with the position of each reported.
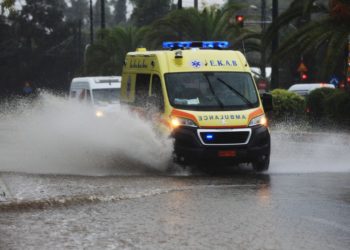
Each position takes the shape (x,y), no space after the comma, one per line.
(156,97)
(142,89)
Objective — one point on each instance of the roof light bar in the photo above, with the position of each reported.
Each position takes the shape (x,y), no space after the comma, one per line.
(190,44)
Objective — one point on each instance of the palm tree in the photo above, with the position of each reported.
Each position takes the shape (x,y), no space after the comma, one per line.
(191,24)
(7,4)
(324,29)
(106,56)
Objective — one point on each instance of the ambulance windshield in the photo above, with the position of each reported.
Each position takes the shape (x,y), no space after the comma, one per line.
(211,90)
(106,96)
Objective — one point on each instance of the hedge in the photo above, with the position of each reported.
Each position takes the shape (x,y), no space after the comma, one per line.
(287,104)
(324,105)
(316,102)
(337,107)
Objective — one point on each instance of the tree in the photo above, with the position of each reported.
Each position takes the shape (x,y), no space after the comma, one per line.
(37,44)
(191,24)
(106,56)
(145,12)
(119,12)
(7,4)
(79,10)
(324,30)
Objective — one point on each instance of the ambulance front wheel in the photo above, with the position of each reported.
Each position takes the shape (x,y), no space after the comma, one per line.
(261,164)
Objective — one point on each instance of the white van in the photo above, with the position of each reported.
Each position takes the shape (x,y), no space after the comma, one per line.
(304,89)
(100,91)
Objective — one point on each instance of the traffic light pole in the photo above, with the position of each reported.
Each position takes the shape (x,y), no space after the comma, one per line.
(274,47)
(347,69)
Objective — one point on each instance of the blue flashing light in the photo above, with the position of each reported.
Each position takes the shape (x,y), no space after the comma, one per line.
(209,137)
(223,44)
(184,45)
(190,44)
(168,45)
(208,45)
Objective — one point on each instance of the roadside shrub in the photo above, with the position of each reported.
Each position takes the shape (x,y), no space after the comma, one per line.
(316,102)
(287,104)
(337,107)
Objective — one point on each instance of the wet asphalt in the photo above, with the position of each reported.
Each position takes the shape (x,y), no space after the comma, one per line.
(239,210)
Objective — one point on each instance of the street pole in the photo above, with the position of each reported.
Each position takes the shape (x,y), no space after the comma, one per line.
(274,47)
(91,24)
(263,26)
(79,42)
(347,69)
(263,14)
(179,4)
(196,4)
(103,21)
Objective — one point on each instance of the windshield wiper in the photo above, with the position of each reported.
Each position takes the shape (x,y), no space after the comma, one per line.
(213,92)
(236,92)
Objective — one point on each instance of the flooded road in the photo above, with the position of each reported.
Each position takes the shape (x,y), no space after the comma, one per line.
(71,181)
(243,211)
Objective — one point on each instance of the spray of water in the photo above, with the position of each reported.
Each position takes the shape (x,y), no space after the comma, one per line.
(300,148)
(54,135)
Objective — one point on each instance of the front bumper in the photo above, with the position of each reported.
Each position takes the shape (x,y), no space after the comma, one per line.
(188,147)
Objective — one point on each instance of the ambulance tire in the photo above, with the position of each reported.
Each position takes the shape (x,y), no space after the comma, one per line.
(262,164)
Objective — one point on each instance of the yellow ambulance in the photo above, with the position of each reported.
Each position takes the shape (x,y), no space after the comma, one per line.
(205,95)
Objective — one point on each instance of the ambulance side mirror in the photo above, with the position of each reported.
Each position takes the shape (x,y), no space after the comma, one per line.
(267,102)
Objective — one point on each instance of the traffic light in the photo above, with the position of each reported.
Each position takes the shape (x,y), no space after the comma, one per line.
(303,76)
(240,20)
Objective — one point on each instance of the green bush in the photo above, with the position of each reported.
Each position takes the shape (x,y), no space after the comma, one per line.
(337,107)
(316,102)
(287,104)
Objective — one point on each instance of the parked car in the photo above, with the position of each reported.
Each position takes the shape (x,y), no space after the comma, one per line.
(304,89)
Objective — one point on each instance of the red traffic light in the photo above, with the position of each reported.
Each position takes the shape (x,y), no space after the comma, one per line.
(240,20)
(303,76)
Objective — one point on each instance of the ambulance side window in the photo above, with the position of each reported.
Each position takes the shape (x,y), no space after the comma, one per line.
(141,88)
(157,92)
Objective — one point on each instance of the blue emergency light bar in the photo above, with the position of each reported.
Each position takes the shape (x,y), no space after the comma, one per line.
(202,45)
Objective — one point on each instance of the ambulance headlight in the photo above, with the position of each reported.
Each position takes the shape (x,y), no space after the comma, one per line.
(99,113)
(180,121)
(259,120)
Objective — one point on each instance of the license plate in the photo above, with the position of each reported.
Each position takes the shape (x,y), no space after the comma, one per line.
(227,153)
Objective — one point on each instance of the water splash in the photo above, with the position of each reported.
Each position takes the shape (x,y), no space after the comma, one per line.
(54,135)
(57,136)
(303,148)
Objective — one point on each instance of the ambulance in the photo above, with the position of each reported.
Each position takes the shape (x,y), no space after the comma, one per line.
(206,97)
